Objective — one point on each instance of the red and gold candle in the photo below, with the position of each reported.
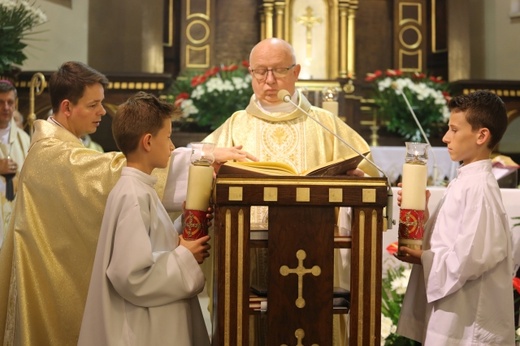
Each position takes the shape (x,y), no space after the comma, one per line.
(200,184)
(413,201)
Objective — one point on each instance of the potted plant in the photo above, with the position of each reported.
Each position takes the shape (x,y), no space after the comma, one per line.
(395,281)
(17,20)
(427,95)
(207,99)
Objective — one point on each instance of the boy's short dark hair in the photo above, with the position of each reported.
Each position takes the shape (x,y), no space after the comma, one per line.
(483,109)
(70,81)
(142,113)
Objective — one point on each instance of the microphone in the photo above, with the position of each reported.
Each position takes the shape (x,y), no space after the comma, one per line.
(285,96)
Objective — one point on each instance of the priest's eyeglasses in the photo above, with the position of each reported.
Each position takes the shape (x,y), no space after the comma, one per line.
(278,72)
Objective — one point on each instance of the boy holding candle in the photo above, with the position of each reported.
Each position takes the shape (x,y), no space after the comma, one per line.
(145,278)
(460,290)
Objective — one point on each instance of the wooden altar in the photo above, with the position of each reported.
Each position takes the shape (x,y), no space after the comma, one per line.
(300,242)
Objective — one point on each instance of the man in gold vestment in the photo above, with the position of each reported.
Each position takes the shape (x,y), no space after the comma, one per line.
(46,259)
(276,131)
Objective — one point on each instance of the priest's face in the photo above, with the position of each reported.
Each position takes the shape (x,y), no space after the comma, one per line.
(85,116)
(273,68)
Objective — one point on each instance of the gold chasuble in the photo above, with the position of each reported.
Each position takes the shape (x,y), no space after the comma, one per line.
(47,255)
(300,142)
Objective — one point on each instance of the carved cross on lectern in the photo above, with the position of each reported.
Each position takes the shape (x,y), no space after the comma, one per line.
(300,270)
(299,334)
(308,20)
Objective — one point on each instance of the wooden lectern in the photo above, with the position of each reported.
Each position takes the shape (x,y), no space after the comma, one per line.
(300,242)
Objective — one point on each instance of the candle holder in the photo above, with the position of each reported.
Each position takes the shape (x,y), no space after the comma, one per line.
(413,197)
(200,184)
(330,99)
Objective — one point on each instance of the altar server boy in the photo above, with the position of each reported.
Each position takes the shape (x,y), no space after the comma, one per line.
(146,278)
(460,290)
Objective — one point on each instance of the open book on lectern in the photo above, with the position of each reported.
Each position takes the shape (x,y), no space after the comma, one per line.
(262,168)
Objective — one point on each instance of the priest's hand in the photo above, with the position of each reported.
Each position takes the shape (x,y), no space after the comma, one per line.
(198,247)
(8,166)
(356,173)
(410,255)
(234,153)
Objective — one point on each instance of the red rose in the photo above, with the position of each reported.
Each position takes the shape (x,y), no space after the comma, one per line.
(197,80)
(516,284)
(392,248)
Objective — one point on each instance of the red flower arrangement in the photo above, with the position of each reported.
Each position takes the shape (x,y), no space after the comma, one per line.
(209,98)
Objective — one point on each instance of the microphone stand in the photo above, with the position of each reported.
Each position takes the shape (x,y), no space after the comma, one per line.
(286,97)
(435,167)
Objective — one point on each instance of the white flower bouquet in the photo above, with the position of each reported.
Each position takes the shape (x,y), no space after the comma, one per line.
(17,19)
(395,282)
(428,96)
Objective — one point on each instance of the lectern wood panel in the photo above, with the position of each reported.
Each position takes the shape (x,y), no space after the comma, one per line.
(300,275)
(300,242)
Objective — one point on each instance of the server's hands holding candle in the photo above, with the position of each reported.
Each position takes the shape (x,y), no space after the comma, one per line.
(404,253)
(200,184)
(413,198)
(198,247)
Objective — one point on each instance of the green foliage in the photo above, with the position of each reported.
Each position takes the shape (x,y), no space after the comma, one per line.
(427,96)
(516,218)
(17,19)
(394,287)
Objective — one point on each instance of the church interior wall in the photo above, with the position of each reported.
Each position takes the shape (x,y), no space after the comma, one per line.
(506,52)
(236,31)
(127,37)
(478,38)
(374,43)
(62,38)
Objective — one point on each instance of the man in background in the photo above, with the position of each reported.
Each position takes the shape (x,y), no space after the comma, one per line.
(14,144)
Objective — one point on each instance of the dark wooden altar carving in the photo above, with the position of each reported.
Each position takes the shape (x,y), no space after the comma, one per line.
(301,247)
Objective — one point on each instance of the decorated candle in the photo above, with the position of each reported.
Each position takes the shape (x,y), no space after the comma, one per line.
(414,180)
(200,184)
(413,196)
(330,99)
(331,106)
(200,181)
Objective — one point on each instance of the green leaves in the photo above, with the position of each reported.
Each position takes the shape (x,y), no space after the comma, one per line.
(394,286)
(17,19)
(427,95)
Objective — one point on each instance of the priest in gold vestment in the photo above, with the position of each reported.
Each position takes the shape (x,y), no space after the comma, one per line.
(47,255)
(276,131)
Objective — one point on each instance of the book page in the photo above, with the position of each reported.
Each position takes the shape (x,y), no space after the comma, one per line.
(336,167)
(260,167)
(328,169)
